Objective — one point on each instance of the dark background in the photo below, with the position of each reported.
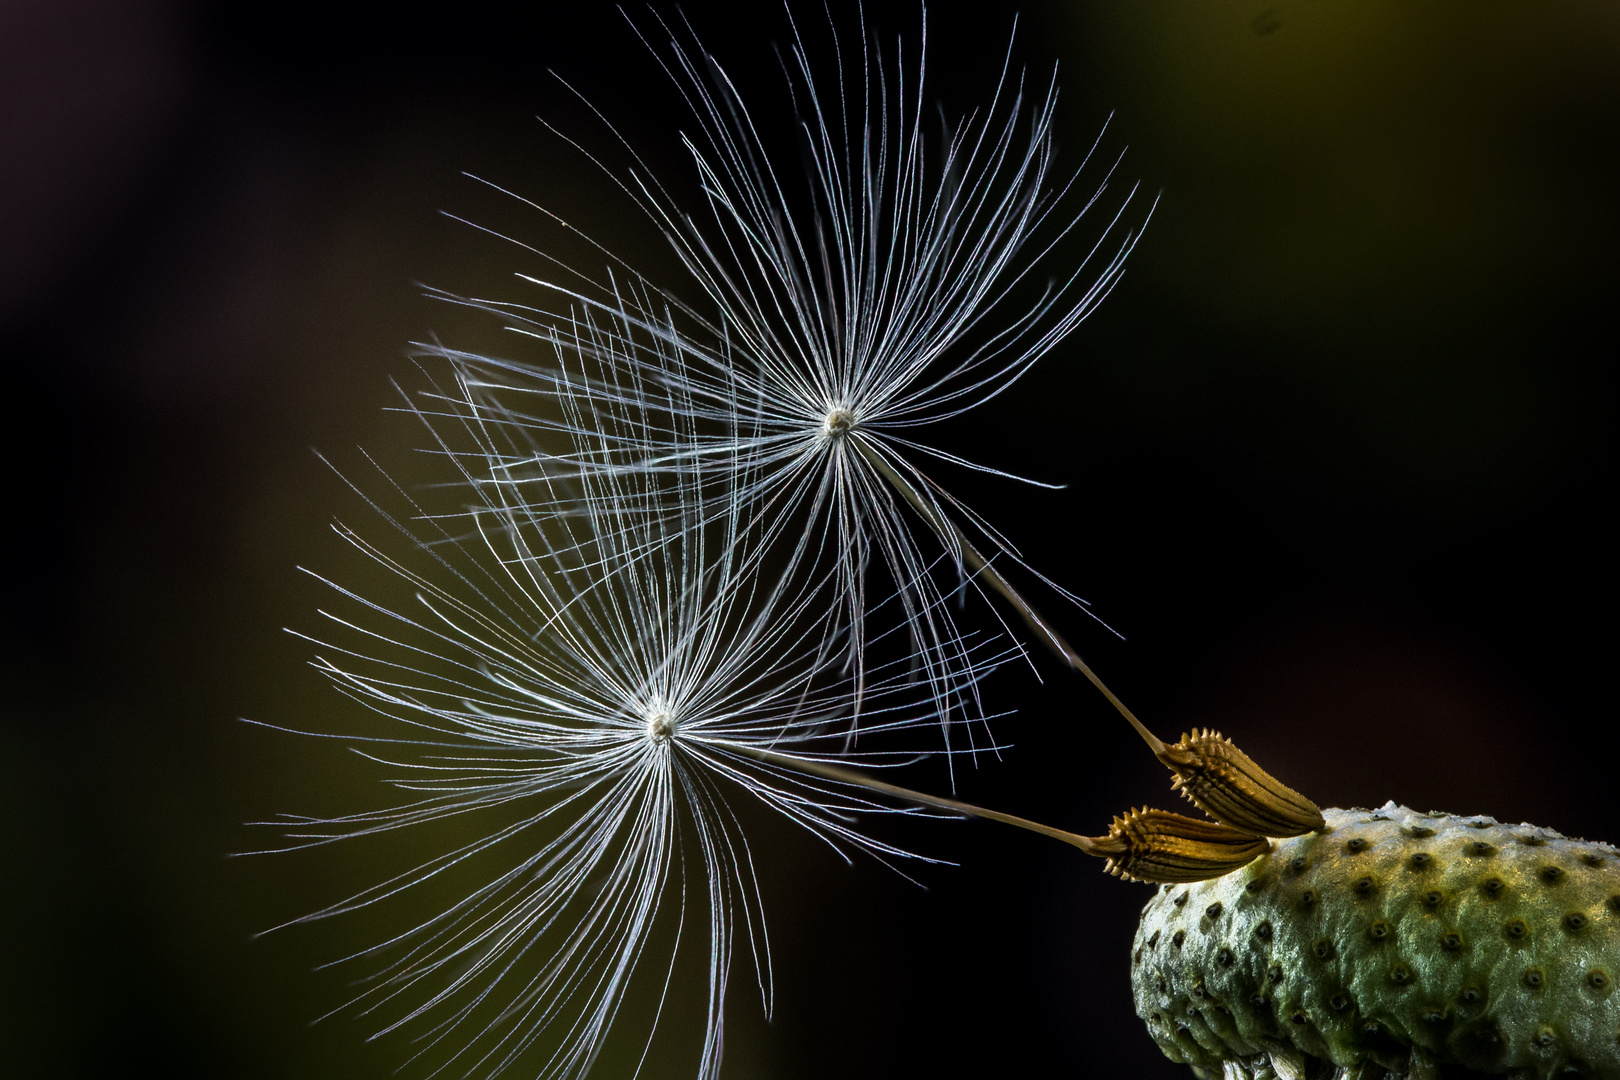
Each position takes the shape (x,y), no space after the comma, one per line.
(1337,449)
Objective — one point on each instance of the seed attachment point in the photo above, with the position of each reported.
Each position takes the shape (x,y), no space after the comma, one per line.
(838,422)
(660,728)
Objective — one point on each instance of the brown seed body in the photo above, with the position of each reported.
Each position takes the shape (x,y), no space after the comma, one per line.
(1163,847)
(1226,784)
(1393,941)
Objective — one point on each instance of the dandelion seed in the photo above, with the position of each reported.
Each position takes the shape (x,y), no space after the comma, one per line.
(623,636)
(589,691)
(835,320)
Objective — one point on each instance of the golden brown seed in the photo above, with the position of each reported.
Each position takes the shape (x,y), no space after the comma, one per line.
(1165,848)
(1226,784)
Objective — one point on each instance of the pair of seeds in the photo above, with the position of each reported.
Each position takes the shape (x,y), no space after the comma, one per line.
(1247,803)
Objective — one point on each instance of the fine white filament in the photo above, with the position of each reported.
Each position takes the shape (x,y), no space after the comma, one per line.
(597,687)
(893,282)
(651,599)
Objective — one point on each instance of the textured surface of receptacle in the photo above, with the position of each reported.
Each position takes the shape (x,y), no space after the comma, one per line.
(1425,945)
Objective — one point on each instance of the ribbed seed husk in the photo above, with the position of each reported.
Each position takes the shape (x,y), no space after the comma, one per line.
(1162,847)
(1226,784)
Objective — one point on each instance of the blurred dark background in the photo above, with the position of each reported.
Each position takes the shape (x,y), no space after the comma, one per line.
(1337,450)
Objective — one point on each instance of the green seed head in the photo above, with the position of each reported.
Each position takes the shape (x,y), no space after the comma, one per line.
(1394,939)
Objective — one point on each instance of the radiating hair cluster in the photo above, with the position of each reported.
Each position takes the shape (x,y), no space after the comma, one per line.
(690,561)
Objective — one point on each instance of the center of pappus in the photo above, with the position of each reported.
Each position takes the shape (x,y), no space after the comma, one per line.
(838,423)
(660,727)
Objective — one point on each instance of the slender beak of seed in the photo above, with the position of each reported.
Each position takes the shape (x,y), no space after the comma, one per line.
(661,727)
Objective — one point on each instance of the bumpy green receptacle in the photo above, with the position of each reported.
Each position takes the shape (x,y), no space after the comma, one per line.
(1395,940)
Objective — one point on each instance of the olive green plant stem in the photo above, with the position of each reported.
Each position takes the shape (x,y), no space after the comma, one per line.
(1103,847)
(981,567)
